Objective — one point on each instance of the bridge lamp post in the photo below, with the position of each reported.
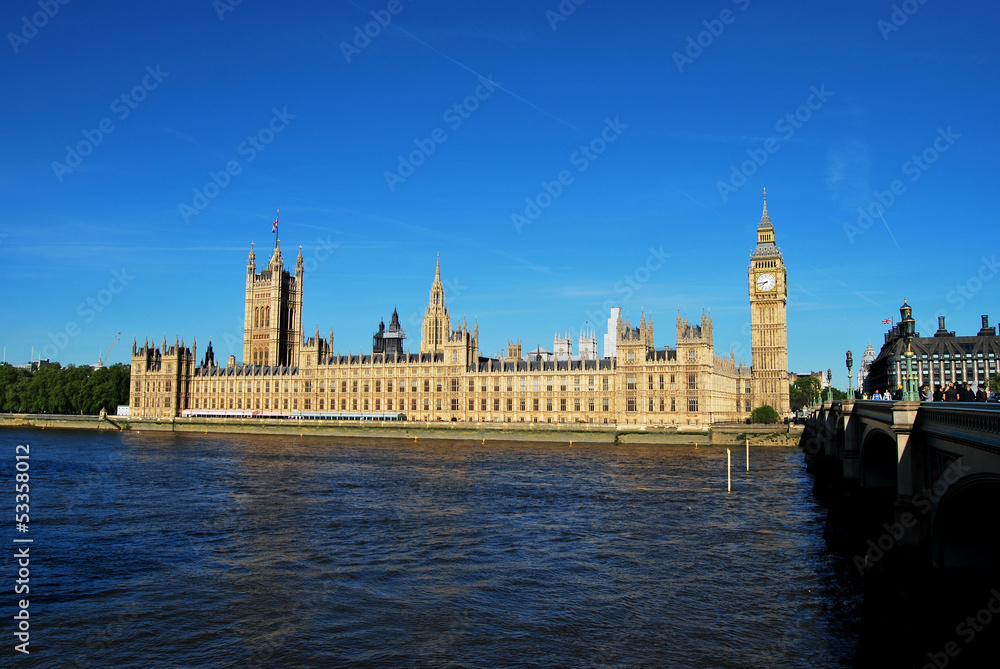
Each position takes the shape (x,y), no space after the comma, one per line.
(850,363)
(829,382)
(907,326)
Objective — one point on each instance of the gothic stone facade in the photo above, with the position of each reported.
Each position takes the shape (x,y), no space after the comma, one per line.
(688,385)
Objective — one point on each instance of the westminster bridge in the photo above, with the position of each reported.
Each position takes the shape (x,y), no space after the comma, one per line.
(922,477)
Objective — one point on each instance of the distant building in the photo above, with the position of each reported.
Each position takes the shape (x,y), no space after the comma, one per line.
(34,365)
(937,360)
(562,346)
(540,355)
(388,342)
(820,376)
(866,364)
(588,345)
(614,331)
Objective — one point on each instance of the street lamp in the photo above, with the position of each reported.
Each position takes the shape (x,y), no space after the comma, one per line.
(850,363)
(906,327)
(829,382)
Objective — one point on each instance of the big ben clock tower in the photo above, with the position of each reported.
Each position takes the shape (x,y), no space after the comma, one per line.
(768,323)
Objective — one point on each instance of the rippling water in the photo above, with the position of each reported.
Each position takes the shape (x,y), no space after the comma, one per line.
(218,551)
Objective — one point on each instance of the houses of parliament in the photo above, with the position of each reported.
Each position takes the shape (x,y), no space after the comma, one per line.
(286,374)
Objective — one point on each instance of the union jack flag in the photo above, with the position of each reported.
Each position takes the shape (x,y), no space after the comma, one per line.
(274,228)
(885,321)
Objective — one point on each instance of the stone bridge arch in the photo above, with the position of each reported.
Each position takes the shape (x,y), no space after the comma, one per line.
(965,532)
(879,461)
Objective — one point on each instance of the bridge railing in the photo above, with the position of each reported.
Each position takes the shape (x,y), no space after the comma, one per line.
(880,410)
(972,419)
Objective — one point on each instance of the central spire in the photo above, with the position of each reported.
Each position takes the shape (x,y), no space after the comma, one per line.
(765,220)
(437,323)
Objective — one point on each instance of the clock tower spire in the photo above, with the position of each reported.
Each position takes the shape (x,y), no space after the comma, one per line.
(768,322)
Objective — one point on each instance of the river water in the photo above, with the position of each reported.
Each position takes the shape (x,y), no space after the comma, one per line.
(222,551)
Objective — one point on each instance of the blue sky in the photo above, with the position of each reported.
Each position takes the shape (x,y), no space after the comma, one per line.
(552,153)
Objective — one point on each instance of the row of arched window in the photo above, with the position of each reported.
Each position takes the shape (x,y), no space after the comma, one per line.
(262,317)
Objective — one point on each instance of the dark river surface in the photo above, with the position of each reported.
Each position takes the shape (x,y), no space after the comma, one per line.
(224,551)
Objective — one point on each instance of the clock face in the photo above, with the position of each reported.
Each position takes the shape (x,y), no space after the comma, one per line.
(765,282)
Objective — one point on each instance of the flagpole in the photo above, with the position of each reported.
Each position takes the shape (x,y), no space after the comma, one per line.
(278,211)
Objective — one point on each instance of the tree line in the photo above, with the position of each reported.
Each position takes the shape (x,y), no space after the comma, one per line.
(63,390)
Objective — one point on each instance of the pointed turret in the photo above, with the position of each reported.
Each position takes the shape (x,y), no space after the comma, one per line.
(765,220)
(436,324)
(765,231)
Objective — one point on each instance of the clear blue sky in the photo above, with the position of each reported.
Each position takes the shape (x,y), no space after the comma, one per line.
(686,91)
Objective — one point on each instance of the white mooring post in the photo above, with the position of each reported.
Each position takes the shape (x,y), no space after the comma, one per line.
(729,470)
(748,455)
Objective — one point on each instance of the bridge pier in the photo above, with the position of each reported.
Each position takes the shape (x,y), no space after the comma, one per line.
(908,471)
(848,432)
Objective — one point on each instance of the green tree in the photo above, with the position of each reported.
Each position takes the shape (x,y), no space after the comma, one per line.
(57,389)
(803,392)
(839,394)
(764,414)
(995,382)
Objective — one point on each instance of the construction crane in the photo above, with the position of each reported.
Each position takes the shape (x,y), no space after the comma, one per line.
(101,361)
